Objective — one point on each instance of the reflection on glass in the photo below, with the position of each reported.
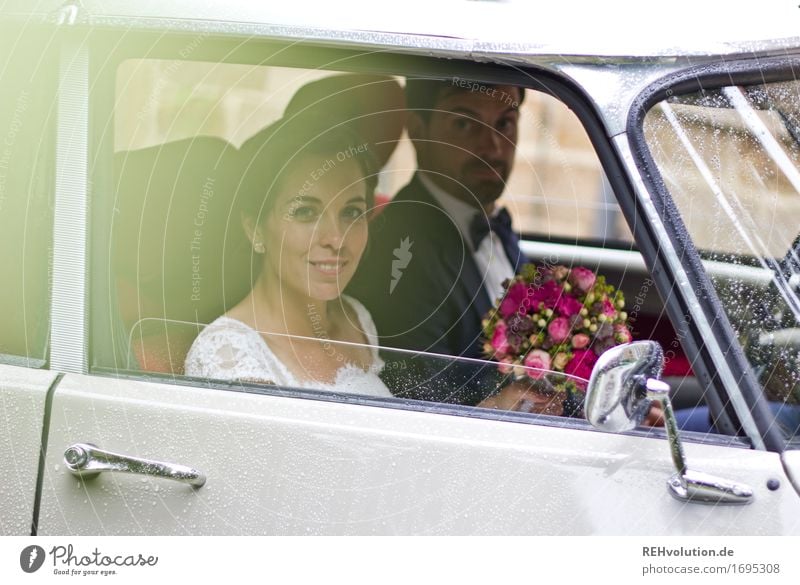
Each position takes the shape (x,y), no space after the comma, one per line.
(159,345)
(731,162)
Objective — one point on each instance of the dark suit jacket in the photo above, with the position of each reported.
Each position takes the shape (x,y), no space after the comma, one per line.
(420,282)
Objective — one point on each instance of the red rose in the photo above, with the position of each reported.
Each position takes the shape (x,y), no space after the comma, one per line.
(548,293)
(568,306)
(558,330)
(513,299)
(608,308)
(581,364)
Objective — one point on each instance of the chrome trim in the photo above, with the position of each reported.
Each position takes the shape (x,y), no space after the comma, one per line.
(790,459)
(88,461)
(695,486)
(366,41)
(659,391)
(632,260)
(623,387)
(495,28)
(682,283)
(615,398)
(613,99)
(68,326)
(68,13)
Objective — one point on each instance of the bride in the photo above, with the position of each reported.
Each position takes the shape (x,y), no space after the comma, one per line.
(305,191)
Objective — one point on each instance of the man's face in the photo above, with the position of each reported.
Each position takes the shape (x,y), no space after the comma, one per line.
(468,144)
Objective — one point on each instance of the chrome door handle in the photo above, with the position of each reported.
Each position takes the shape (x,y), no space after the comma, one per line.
(86,460)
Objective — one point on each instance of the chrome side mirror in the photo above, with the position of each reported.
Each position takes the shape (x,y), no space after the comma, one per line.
(623,385)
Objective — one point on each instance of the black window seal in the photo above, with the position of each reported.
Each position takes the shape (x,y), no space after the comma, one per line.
(694,79)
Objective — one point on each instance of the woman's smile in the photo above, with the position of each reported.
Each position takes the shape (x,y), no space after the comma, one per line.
(329,267)
(317,232)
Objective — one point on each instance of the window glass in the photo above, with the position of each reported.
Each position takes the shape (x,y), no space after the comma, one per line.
(213,214)
(27,106)
(730,159)
(229,350)
(556,190)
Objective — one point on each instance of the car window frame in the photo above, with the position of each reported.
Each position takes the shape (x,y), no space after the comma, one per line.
(111,50)
(690,80)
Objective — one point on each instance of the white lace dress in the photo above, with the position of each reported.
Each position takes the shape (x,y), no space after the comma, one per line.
(227,349)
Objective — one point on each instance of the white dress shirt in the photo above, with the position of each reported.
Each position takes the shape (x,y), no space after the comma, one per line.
(490,257)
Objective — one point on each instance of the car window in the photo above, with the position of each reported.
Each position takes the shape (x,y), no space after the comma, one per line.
(558,190)
(730,158)
(27,171)
(228,350)
(184,261)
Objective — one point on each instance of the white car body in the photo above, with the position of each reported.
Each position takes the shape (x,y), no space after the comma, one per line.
(285,462)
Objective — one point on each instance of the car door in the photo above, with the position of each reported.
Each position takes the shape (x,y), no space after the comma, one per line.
(284,460)
(301,465)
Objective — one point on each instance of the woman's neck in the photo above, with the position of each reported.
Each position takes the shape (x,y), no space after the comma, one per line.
(276,310)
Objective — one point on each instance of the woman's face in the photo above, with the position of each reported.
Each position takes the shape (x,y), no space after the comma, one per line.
(316,231)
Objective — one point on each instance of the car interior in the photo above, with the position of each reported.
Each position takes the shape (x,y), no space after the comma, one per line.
(180,256)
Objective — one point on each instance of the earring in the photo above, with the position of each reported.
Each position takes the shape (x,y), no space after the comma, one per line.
(258,247)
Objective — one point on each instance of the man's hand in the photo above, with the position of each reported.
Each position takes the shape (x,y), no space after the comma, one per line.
(520,397)
(654,418)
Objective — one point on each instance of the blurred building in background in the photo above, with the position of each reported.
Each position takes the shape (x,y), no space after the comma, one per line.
(557,189)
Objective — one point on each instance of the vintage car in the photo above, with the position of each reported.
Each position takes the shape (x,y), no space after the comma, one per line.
(666,159)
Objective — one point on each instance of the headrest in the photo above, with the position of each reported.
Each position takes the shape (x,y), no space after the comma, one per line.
(374,105)
(178,246)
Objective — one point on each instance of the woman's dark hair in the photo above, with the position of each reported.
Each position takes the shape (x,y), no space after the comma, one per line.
(266,159)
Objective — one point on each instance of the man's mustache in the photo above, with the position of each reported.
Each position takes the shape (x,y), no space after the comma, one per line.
(482,166)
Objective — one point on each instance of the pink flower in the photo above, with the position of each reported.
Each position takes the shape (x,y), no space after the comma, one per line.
(580,340)
(608,308)
(537,359)
(582,278)
(499,339)
(622,334)
(513,299)
(558,330)
(568,306)
(505,365)
(581,364)
(548,293)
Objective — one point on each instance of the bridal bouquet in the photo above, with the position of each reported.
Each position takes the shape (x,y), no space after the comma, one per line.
(556,320)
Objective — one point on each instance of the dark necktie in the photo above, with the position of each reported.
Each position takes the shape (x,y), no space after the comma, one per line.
(500,224)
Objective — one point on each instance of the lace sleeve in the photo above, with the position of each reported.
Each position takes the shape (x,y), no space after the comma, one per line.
(224,351)
(367,326)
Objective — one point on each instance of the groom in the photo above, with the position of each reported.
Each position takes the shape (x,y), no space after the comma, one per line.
(440,250)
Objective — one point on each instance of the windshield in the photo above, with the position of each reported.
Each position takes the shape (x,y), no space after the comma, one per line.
(730,159)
